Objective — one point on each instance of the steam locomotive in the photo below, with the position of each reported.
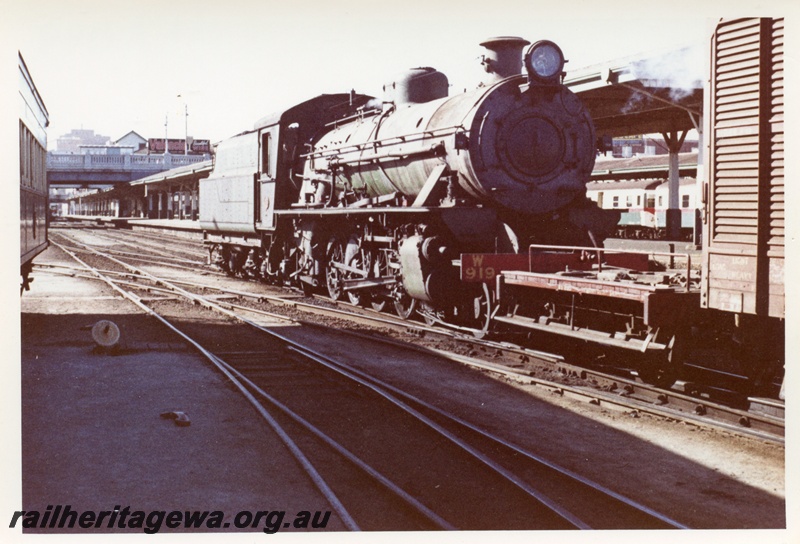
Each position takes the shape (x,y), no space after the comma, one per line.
(376,198)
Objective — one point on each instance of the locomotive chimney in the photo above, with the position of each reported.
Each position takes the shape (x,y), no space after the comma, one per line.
(503,58)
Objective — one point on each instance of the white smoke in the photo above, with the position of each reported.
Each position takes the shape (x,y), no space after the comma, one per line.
(681,71)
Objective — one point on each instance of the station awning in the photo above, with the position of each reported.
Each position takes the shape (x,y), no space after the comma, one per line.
(657,94)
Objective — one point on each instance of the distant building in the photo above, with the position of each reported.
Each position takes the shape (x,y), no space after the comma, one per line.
(134,140)
(86,142)
(71,143)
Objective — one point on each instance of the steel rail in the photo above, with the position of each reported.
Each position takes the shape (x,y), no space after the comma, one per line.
(656,401)
(493,437)
(150,245)
(135,255)
(533,493)
(344,452)
(235,376)
(142,259)
(625,401)
(310,470)
(232,374)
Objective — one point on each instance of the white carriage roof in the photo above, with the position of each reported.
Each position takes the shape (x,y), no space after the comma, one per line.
(643,167)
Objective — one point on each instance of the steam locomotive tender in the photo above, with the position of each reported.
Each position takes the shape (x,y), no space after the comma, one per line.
(375,199)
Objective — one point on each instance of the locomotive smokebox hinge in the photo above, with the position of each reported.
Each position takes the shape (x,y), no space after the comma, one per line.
(461,140)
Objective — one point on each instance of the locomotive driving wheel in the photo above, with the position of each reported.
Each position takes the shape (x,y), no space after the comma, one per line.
(481,312)
(360,260)
(333,275)
(404,304)
(380,268)
(436,315)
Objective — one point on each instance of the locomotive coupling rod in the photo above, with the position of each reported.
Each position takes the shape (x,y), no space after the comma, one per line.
(352,285)
(346,268)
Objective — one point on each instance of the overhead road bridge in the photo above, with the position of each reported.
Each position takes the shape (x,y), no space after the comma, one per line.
(87,170)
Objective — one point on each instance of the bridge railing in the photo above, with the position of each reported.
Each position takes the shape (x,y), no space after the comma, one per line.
(121,162)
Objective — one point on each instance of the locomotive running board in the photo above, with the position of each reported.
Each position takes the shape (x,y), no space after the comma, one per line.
(599,337)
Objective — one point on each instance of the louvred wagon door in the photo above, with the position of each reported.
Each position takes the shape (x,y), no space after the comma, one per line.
(744,235)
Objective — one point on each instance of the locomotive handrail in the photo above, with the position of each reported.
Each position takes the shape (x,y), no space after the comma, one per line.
(401,139)
(360,115)
(600,250)
(375,157)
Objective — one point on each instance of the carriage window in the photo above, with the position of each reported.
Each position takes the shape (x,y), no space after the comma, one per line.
(685,201)
(638,200)
(615,202)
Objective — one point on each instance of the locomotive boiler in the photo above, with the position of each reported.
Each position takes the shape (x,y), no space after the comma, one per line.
(377,198)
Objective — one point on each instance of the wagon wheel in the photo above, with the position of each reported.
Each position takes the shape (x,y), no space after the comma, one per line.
(222,257)
(234,263)
(662,369)
(656,371)
(271,265)
(333,275)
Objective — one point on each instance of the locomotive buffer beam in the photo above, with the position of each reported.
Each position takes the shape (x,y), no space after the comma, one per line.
(619,340)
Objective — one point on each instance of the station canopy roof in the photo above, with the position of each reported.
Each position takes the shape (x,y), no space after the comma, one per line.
(661,93)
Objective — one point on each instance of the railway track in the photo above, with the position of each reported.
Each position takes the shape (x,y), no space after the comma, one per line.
(528,366)
(309,398)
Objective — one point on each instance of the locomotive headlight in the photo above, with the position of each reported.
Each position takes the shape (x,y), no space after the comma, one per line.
(544,61)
